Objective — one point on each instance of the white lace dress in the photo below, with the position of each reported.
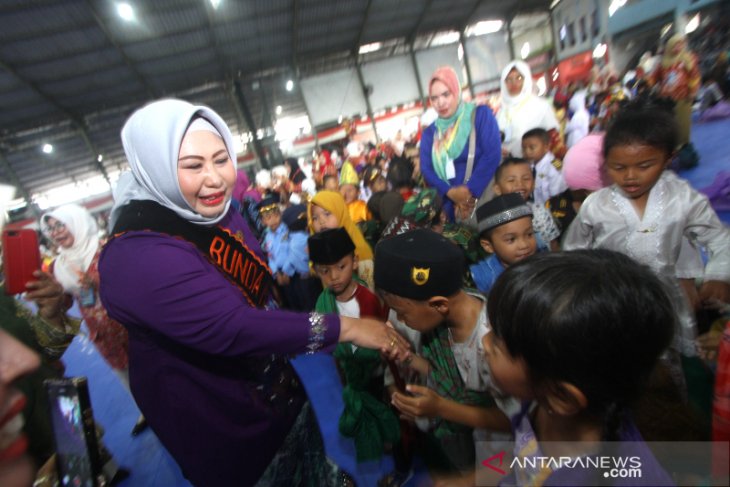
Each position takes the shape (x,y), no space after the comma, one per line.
(674,210)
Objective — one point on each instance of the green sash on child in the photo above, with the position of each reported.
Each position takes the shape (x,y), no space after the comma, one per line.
(444,373)
(366,419)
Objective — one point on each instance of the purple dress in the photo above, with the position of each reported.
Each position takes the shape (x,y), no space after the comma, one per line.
(200,358)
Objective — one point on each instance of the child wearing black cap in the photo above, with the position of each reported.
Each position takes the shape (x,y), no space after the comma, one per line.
(284,260)
(505,231)
(366,418)
(275,238)
(419,276)
(515,175)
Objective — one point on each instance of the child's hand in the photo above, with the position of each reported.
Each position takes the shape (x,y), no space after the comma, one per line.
(714,294)
(424,403)
(708,344)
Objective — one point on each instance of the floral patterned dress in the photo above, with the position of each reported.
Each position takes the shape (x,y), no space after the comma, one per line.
(108,335)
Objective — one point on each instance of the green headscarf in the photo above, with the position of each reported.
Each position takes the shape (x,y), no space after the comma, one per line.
(447,380)
(451,137)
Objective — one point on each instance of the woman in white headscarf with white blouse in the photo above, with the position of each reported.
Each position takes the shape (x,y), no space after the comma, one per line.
(521,109)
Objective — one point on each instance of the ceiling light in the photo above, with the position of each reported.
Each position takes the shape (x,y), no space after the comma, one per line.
(614,6)
(525,51)
(444,38)
(600,50)
(289,85)
(278,109)
(215,3)
(372,47)
(125,11)
(47,148)
(692,24)
(485,27)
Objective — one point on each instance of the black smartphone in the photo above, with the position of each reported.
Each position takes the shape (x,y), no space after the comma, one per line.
(74,432)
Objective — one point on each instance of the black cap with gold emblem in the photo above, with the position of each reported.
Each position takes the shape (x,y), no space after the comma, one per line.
(330,246)
(419,265)
(268,203)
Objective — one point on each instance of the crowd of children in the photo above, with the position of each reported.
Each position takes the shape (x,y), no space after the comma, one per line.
(571,306)
(496,314)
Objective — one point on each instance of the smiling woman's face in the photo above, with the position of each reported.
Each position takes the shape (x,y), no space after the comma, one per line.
(205,173)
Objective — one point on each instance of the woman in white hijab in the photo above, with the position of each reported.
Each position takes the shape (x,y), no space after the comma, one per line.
(72,228)
(521,109)
(208,353)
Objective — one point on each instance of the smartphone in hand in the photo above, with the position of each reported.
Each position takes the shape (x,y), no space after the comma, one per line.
(21,257)
(77,452)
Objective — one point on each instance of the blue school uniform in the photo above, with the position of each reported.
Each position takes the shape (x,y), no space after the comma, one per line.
(276,246)
(485,272)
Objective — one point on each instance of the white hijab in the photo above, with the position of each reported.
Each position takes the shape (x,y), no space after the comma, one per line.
(75,260)
(151,138)
(521,67)
(522,112)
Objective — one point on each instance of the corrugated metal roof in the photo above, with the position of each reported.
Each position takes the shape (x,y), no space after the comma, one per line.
(68,63)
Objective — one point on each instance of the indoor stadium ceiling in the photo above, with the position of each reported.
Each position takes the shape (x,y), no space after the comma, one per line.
(71,71)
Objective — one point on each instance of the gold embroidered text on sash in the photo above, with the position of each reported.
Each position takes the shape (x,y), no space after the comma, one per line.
(241,267)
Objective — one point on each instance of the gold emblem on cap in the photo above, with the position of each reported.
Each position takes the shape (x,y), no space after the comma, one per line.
(419,275)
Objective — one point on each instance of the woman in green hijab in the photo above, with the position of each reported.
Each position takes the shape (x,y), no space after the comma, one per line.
(445,145)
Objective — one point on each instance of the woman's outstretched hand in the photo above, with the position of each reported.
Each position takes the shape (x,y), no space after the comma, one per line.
(371,333)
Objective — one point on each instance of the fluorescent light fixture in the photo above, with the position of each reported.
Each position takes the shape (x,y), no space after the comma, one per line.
(484,27)
(692,24)
(445,38)
(47,148)
(289,85)
(125,11)
(278,109)
(215,3)
(600,50)
(615,5)
(372,47)
(525,51)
